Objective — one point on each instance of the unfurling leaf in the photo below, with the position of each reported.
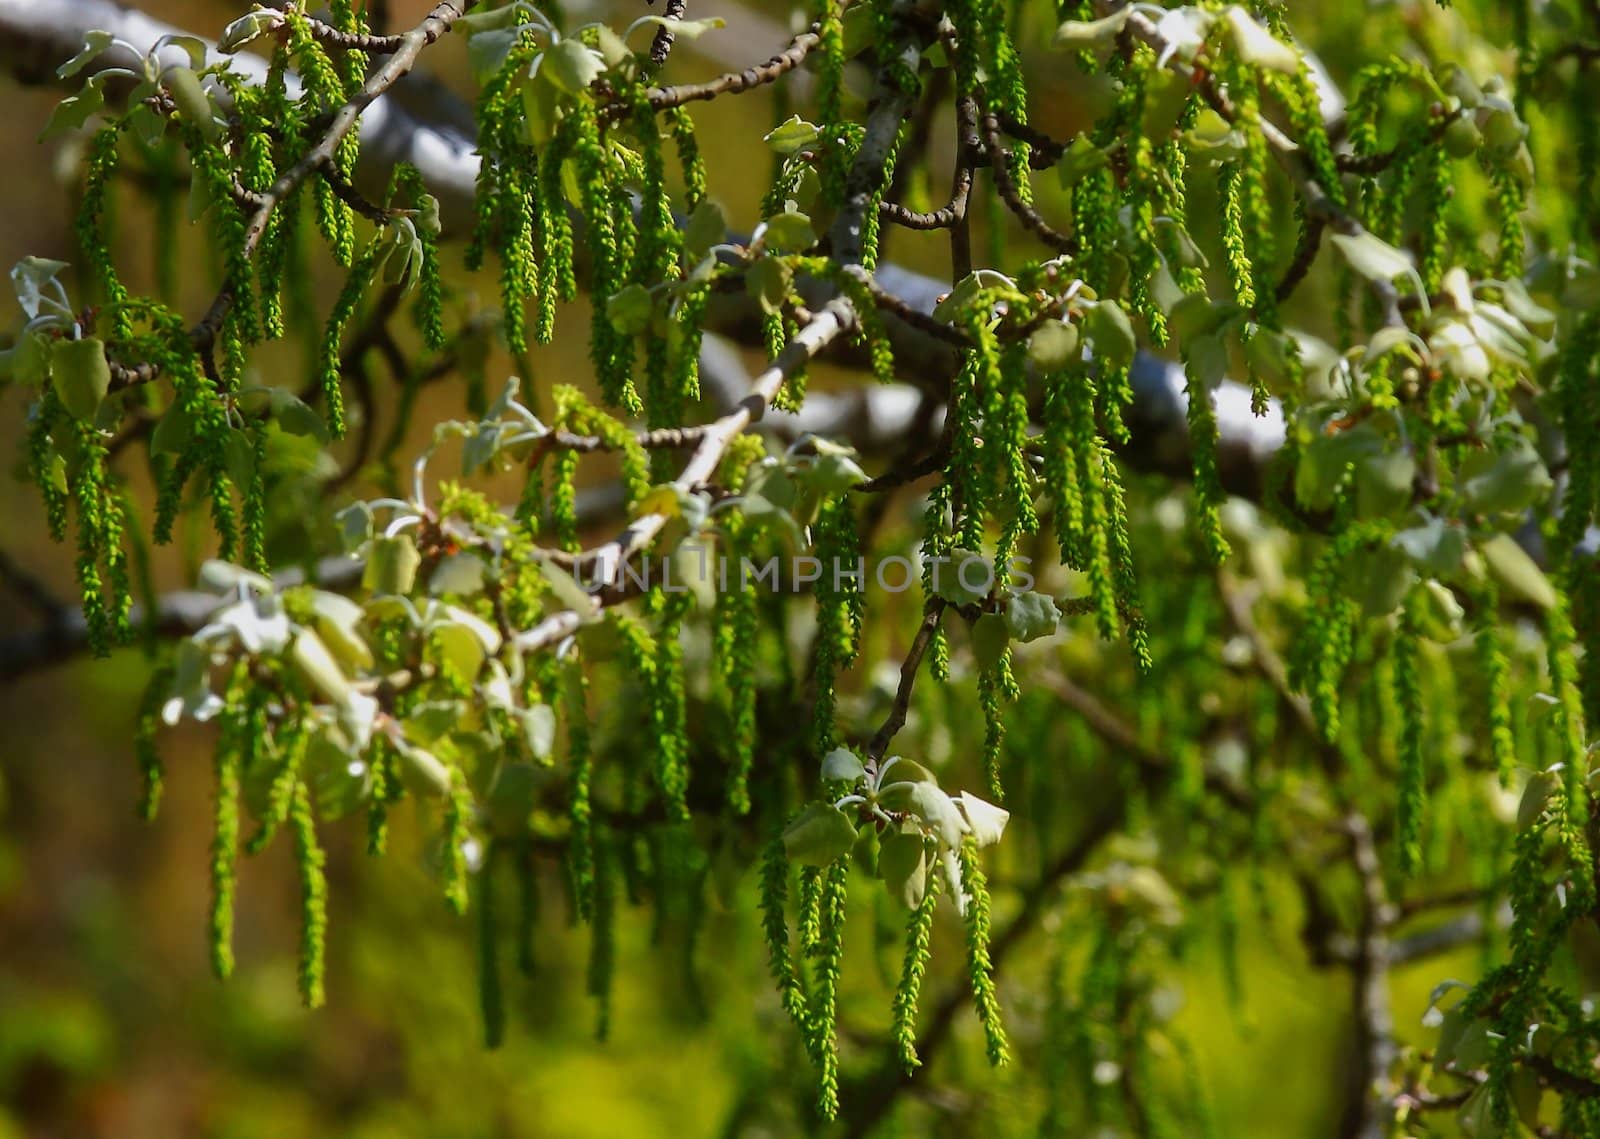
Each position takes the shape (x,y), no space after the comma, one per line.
(571,66)
(903,865)
(792,135)
(81,375)
(392,565)
(1088,33)
(985,821)
(1111,334)
(819,835)
(841,764)
(1032,615)
(990,637)
(1518,573)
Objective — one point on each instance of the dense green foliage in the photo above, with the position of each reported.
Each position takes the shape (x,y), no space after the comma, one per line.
(1358,666)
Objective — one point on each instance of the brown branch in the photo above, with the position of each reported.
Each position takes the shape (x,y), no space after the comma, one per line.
(31,590)
(661,46)
(916,318)
(932,611)
(1370,1107)
(736,82)
(1045,151)
(1305,253)
(955,213)
(1006,184)
(368,42)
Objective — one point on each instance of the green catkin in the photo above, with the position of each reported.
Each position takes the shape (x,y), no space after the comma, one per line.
(1495,669)
(1235,245)
(838,611)
(453,838)
(1413,772)
(580,851)
(103,580)
(1124,579)
(829,54)
(91,228)
(825,1000)
(657,661)
(610,350)
(1578,397)
(992,697)
(808,911)
(310,861)
(918,952)
(272,263)
(45,466)
(558,276)
(325,90)
(1091,477)
(775,928)
(225,839)
(1202,416)
(656,264)
(527,909)
(386,789)
(491,995)
(736,629)
(1584,594)
(681,124)
(430,290)
(1060,469)
(344,309)
(872,331)
(1509,200)
(980,971)
(602,939)
(1569,731)
(255,506)
(291,745)
(151,770)
(1436,191)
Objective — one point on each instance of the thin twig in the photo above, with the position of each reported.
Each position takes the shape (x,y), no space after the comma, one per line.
(1012,196)
(735,82)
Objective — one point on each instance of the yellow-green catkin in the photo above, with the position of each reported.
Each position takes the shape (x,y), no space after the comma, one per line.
(993,685)
(225,842)
(310,861)
(290,745)
(735,631)
(775,928)
(1568,725)
(91,226)
(1413,770)
(454,837)
(491,994)
(344,309)
(918,952)
(606,237)
(46,468)
(658,661)
(602,939)
(151,770)
(808,911)
(839,611)
(979,968)
(580,850)
(1495,670)
(825,1000)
